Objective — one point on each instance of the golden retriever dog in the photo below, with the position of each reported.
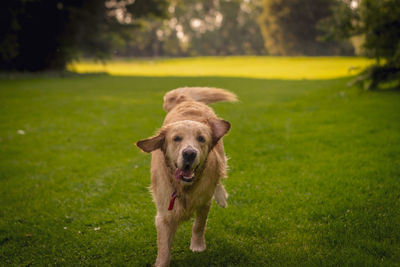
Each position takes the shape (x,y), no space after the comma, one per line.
(188,161)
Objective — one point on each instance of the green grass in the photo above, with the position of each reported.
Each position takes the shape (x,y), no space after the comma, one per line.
(314,173)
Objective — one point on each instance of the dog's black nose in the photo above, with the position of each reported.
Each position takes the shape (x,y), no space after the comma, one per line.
(189,154)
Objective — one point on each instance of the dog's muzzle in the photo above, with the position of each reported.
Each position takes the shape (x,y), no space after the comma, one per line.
(186,172)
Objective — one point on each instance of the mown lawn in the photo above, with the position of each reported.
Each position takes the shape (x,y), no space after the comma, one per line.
(314,173)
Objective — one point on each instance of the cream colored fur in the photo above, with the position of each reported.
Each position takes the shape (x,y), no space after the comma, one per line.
(189,117)
(205,95)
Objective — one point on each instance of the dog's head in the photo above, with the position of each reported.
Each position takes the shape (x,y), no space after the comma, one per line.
(186,144)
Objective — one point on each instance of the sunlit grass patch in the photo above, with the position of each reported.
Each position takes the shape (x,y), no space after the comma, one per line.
(251,67)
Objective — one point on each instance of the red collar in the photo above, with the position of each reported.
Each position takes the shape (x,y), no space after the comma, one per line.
(172,201)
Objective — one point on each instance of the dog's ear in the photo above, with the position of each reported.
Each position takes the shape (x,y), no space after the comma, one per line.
(219,128)
(152,143)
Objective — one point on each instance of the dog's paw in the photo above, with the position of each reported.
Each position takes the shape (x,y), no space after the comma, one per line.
(197,246)
(221,202)
(221,196)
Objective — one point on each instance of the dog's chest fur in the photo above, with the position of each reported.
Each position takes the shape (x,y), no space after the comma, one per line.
(191,197)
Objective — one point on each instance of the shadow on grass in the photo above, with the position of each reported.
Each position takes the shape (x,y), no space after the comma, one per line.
(47,74)
(160,79)
(220,253)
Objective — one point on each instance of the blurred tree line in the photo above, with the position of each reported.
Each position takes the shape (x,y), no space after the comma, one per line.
(195,28)
(292,27)
(47,34)
(374,25)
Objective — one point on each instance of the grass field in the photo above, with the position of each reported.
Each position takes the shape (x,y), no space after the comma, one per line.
(314,171)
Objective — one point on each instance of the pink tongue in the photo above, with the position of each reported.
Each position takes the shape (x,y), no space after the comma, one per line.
(182,173)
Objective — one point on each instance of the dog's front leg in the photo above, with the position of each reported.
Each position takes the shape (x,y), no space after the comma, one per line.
(198,242)
(166,228)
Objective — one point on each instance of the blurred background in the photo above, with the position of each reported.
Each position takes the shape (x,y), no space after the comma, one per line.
(46,34)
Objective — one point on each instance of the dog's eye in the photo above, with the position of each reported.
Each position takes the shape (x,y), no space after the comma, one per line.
(177,139)
(201,139)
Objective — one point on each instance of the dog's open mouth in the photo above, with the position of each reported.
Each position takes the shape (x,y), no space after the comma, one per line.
(185,176)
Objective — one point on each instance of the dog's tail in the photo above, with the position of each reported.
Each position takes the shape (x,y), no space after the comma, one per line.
(206,95)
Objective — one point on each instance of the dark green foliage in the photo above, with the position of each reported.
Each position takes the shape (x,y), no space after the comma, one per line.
(47,34)
(381,26)
(378,22)
(290,27)
(378,76)
(146,8)
(341,23)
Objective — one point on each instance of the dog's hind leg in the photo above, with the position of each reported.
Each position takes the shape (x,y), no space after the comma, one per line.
(221,196)
(198,242)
